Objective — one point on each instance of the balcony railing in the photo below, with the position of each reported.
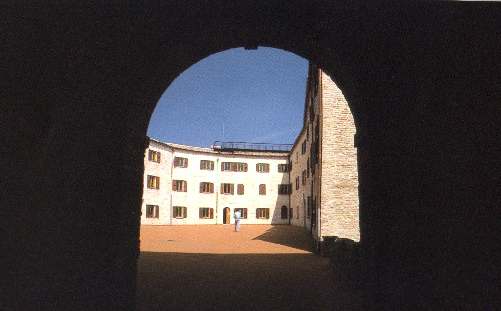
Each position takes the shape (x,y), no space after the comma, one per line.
(245,146)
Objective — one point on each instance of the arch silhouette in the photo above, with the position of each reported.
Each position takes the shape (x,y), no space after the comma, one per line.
(80,89)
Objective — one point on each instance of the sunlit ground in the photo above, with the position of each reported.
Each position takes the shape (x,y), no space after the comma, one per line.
(222,239)
(211,267)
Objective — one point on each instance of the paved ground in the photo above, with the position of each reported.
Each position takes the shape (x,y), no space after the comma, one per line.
(213,268)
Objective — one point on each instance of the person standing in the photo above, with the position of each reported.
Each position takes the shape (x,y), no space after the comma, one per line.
(237,216)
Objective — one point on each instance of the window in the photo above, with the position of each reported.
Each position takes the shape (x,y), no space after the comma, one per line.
(179,211)
(179,185)
(297,214)
(153,182)
(284,189)
(243,212)
(283,212)
(308,208)
(291,212)
(307,132)
(240,189)
(262,189)
(154,156)
(206,213)
(262,213)
(297,183)
(180,162)
(206,187)
(303,181)
(227,189)
(234,166)
(282,168)
(303,147)
(262,168)
(308,167)
(151,211)
(207,165)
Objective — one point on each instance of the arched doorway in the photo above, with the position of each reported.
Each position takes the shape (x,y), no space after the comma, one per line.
(226,215)
(283,212)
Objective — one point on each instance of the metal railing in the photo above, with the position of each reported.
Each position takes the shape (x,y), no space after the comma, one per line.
(246,146)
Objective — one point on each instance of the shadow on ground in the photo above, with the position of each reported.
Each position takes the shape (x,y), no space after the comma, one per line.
(180,281)
(292,236)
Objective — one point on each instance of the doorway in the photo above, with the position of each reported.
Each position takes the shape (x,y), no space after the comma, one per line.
(226,215)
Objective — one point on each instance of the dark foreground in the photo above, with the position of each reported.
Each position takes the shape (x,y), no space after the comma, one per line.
(290,279)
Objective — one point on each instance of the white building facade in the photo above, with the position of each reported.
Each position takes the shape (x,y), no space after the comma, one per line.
(193,185)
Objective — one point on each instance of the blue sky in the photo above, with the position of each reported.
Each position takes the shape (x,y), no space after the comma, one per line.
(257,94)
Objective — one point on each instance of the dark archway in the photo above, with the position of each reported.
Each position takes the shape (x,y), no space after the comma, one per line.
(423,87)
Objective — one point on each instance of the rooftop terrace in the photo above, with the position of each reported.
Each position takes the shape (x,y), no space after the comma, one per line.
(246,146)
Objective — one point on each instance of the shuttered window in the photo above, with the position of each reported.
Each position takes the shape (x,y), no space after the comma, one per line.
(262,189)
(206,213)
(180,162)
(283,212)
(227,189)
(262,167)
(234,166)
(240,189)
(179,185)
(284,189)
(179,211)
(207,165)
(283,168)
(206,187)
(153,182)
(152,211)
(243,212)
(154,156)
(262,213)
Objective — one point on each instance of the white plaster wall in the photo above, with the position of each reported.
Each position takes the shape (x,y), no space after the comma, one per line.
(160,197)
(299,163)
(193,199)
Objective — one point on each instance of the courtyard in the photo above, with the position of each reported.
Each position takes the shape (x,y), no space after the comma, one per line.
(211,267)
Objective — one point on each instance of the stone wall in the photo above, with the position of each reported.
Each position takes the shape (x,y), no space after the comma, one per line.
(339,178)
